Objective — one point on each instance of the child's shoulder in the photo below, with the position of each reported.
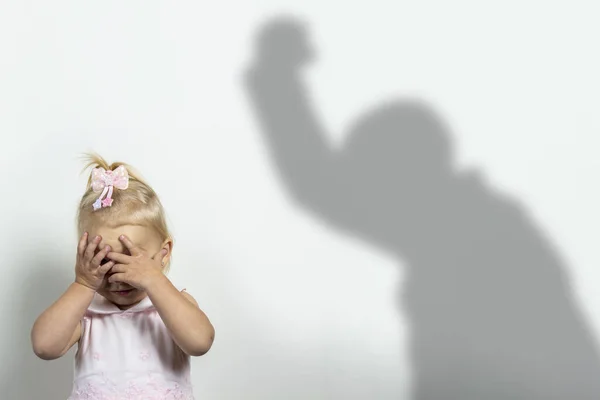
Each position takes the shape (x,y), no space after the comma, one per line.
(184,291)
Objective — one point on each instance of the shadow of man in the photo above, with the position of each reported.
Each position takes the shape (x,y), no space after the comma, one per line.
(490,306)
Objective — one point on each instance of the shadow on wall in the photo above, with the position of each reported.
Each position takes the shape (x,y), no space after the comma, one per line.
(30,378)
(490,306)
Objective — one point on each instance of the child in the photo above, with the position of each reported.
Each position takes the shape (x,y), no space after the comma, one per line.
(135,331)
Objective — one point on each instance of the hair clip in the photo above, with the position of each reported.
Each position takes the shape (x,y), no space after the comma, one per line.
(104,181)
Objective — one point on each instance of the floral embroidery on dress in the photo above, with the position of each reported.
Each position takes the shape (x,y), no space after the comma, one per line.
(135,389)
(144,355)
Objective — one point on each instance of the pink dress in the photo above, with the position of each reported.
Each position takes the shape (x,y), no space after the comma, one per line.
(128,355)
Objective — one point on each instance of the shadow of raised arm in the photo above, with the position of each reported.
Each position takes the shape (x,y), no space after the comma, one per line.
(297,141)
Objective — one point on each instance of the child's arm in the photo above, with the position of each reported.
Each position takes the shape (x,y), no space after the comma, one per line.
(189,327)
(58,328)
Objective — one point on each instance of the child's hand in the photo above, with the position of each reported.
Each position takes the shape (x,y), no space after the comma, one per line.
(88,271)
(139,269)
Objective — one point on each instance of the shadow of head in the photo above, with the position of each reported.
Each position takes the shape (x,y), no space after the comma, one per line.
(404,140)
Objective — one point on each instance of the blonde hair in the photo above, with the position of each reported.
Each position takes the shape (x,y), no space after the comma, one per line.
(137,205)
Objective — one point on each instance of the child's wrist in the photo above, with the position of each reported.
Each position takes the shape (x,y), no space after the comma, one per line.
(84,285)
(155,283)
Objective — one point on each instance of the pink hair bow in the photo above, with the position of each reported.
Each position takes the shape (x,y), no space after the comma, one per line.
(104,181)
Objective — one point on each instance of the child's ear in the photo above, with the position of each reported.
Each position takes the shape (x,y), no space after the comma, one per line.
(168,247)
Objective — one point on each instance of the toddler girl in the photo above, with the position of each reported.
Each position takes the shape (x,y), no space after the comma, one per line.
(135,331)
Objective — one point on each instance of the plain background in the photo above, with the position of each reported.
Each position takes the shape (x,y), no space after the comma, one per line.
(301,310)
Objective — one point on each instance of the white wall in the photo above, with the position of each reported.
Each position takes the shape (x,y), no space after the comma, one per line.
(302,310)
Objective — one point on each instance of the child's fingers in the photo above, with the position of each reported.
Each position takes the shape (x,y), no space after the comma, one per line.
(91,248)
(82,243)
(133,249)
(119,268)
(103,269)
(119,257)
(97,260)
